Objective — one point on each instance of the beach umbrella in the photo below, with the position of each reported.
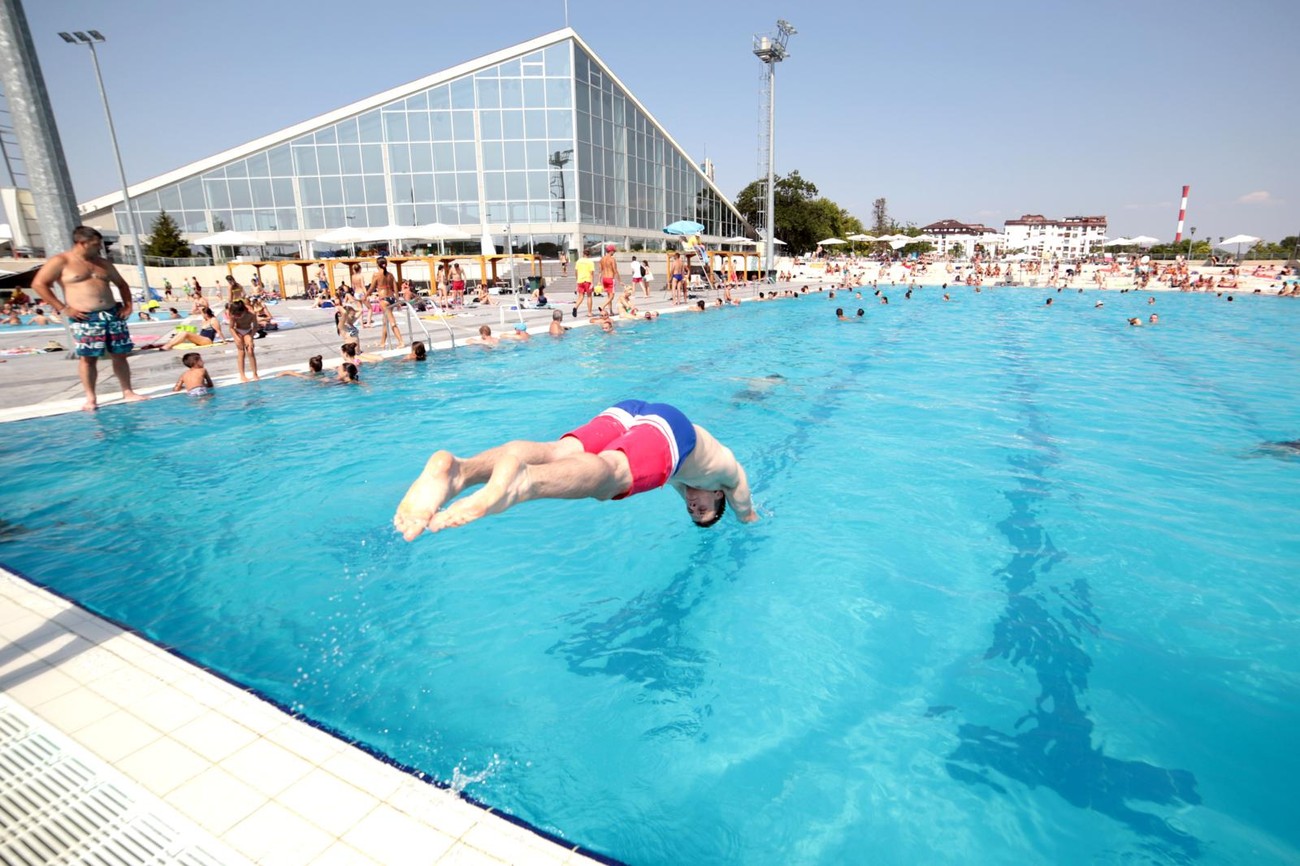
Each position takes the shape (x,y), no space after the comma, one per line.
(228,239)
(830,242)
(436,232)
(439,232)
(1240,240)
(390,232)
(683,227)
(1144,240)
(854,239)
(1118,242)
(342,235)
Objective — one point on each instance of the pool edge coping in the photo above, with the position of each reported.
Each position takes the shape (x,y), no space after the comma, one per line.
(496,836)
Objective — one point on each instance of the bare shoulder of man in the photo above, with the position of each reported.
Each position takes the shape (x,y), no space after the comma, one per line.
(52,269)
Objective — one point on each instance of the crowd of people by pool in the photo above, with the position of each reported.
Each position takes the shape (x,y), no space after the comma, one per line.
(98,302)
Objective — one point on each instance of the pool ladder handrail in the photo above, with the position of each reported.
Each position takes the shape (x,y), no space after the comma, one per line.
(518,307)
(428,336)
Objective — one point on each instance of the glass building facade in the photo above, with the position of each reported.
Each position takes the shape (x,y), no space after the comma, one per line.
(542,137)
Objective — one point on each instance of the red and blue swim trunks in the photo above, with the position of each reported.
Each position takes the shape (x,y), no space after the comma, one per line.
(655,438)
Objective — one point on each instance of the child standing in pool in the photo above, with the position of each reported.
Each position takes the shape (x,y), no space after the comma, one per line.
(243,329)
(195,381)
(347,320)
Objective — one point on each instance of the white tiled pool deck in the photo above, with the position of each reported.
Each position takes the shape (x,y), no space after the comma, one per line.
(237,779)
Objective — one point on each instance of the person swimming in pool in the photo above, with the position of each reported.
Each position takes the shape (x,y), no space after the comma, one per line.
(629,448)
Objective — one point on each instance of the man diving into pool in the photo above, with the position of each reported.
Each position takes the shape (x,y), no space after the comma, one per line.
(629,448)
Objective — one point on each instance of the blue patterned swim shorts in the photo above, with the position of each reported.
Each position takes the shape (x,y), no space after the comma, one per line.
(102,330)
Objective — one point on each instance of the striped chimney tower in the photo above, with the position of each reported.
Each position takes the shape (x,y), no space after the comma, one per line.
(1182,215)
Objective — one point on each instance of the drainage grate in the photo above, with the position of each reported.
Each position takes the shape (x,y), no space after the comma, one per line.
(61,805)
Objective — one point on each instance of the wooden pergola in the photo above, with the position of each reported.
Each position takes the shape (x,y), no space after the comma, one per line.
(485,263)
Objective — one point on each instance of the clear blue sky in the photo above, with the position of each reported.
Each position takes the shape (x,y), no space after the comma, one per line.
(948,109)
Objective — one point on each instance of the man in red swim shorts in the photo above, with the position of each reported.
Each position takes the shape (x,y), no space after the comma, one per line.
(629,448)
(583,271)
(608,277)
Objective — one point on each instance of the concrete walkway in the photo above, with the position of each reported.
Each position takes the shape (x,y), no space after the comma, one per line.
(47,384)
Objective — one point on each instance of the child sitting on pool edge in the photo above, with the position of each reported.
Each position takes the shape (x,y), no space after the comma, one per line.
(195,381)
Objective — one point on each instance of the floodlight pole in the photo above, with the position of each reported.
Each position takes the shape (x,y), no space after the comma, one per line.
(772,51)
(89,41)
(1191,239)
(510,251)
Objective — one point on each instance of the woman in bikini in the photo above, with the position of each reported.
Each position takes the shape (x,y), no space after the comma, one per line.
(243,328)
(263,314)
(386,287)
(359,291)
(440,280)
(206,336)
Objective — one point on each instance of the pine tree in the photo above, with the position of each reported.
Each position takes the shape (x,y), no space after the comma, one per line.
(165,239)
(880,217)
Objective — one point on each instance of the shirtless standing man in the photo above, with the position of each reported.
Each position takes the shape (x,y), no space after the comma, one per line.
(608,277)
(627,449)
(677,278)
(386,287)
(96,316)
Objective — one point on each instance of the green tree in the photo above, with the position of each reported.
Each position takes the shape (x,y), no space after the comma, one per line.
(1194,250)
(165,239)
(1265,250)
(802,216)
(957,251)
(880,217)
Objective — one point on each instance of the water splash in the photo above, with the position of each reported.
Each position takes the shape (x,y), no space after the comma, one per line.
(462,778)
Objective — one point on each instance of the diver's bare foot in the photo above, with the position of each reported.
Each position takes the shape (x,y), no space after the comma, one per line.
(89,406)
(440,481)
(508,482)
(132,397)
(243,378)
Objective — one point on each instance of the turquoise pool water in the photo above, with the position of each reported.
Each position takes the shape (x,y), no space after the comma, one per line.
(1024,590)
(29,325)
